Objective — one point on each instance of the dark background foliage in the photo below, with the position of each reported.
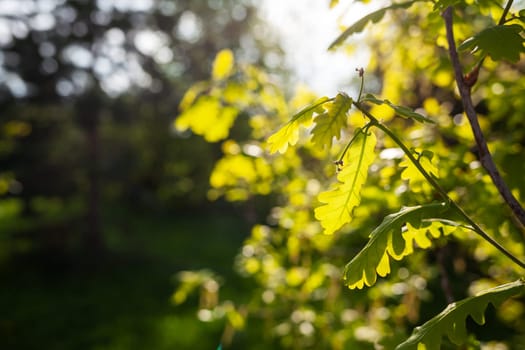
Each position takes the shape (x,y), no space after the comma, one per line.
(101,201)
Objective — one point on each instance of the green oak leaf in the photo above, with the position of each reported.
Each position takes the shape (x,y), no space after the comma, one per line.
(451,321)
(339,202)
(329,124)
(387,241)
(289,133)
(502,42)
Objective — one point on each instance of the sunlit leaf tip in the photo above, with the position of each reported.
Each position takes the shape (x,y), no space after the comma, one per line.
(451,322)
(330,123)
(288,135)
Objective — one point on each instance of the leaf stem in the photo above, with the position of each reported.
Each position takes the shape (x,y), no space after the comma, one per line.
(362,76)
(405,149)
(360,130)
(475,227)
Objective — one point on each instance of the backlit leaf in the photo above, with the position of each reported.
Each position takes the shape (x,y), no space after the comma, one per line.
(360,25)
(208,118)
(419,236)
(339,202)
(223,65)
(451,321)
(192,94)
(402,111)
(502,42)
(289,133)
(411,173)
(386,241)
(329,124)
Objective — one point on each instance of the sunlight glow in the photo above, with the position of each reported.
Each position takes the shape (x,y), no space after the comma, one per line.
(306,28)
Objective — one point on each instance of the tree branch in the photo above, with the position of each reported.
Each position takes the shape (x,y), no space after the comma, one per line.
(505,12)
(484,154)
(473,225)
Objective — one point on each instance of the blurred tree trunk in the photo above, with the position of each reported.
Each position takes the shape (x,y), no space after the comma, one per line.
(88,112)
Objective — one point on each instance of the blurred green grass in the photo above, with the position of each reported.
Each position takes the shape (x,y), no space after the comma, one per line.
(122,301)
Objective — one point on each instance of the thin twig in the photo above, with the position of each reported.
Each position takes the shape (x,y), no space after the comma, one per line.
(505,12)
(484,154)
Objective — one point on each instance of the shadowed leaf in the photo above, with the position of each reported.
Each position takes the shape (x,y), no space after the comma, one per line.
(386,241)
(502,42)
(451,321)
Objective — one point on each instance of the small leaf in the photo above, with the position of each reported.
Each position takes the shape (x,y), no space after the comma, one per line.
(289,133)
(402,111)
(223,65)
(339,202)
(360,25)
(329,124)
(521,15)
(451,321)
(388,241)
(208,118)
(502,42)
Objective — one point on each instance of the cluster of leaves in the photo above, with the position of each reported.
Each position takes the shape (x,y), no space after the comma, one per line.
(422,191)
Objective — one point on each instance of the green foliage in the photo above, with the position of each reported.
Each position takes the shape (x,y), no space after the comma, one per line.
(289,133)
(451,321)
(503,42)
(330,123)
(421,162)
(139,273)
(205,112)
(401,111)
(339,202)
(388,241)
(415,179)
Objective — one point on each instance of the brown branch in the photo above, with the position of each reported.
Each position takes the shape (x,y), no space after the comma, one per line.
(484,154)
(505,12)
